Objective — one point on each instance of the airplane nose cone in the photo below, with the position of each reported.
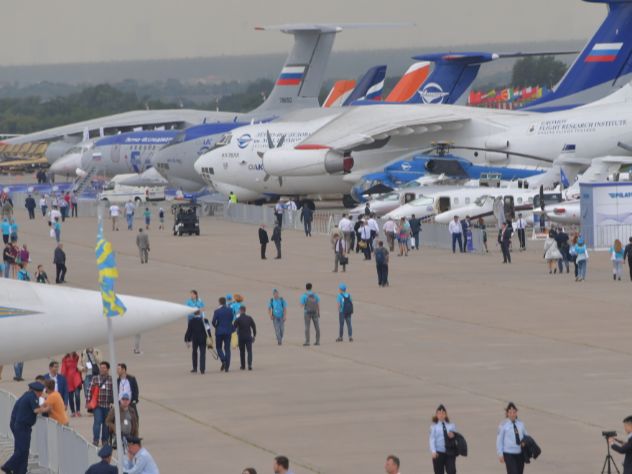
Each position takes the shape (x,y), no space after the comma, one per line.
(66,165)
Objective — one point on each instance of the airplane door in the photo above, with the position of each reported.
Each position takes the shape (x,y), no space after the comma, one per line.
(135,161)
(509,208)
(444,204)
(409,197)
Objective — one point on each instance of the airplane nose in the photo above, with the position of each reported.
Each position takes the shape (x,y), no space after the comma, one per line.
(66,165)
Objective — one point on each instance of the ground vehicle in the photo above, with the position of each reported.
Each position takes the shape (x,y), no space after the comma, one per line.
(116,192)
(185,218)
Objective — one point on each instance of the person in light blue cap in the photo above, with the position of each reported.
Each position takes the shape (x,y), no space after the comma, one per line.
(345,311)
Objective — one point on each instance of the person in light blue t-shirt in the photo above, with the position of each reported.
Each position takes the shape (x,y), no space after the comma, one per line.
(345,311)
(195,302)
(310,302)
(277,309)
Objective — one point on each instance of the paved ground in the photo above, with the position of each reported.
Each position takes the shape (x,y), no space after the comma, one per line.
(465,331)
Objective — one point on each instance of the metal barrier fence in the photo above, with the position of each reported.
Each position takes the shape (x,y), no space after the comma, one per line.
(57,448)
(325,223)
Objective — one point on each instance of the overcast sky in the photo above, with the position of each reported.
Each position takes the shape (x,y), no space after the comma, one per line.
(36,32)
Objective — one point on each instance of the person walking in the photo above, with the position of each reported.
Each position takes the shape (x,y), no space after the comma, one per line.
(130,208)
(442,442)
(276,238)
(562,239)
(381,263)
(23,417)
(454,228)
(509,441)
(246,334)
(74,204)
(581,253)
(365,240)
(142,242)
(402,236)
(115,211)
(147,216)
(43,204)
(389,229)
(129,419)
(161,219)
(627,253)
(307,216)
(277,310)
(101,387)
(415,230)
(223,324)
(88,365)
(59,259)
(551,252)
(345,226)
(340,253)
(521,225)
(616,255)
(310,302)
(195,338)
(483,228)
(30,205)
(6,230)
(57,229)
(278,213)
(263,240)
(345,311)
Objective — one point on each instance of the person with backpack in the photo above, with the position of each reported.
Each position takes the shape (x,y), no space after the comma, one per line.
(310,302)
(340,253)
(581,253)
(381,263)
(277,310)
(345,311)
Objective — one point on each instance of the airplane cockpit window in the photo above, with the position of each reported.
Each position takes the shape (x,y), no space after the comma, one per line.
(179,138)
(389,197)
(223,140)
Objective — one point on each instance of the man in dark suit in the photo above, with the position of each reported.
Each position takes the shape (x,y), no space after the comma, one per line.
(61,385)
(624,447)
(223,324)
(505,241)
(276,238)
(246,333)
(263,240)
(196,336)
(103,467)
(59,259)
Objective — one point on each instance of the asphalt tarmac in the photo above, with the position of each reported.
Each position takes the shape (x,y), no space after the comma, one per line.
(462,330)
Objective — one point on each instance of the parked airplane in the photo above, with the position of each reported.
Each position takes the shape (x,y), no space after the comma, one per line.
(298,86)
(52,319)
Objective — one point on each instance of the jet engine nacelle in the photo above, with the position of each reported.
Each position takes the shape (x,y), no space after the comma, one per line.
(292,162)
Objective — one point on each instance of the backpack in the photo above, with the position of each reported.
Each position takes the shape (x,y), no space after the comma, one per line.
(380,256)
(311,305)
(347,305)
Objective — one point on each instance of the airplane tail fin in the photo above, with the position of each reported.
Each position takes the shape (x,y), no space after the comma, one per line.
(339,93)
(451,78)
(410,82)
(604,64)
(369,87)
(301,78)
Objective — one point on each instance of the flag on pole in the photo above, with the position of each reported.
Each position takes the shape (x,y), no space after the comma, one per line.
(106,264)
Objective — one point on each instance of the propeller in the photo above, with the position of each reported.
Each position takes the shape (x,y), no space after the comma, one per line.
(271,146)
(542,198)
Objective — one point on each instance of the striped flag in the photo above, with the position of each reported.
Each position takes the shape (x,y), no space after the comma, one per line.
(108,273)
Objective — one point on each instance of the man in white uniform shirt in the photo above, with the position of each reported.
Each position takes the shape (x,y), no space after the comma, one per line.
(389,229)
(346,228)
(114,214)
(456,230)
(520,225)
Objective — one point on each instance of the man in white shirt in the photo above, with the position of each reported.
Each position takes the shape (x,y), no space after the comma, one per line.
(520,225)
(346,228)
(54,214)
(375,229)
(114,214)
(389,229)
(278,212)
(365,237)
(456,230)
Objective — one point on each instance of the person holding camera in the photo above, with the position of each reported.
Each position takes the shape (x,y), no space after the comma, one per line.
(509,443)
(624,447)
(442,444)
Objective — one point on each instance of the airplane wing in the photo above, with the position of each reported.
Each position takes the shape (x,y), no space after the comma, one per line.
(364,126)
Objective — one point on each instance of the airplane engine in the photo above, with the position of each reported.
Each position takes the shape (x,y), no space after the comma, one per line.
(291,162)
(81,173)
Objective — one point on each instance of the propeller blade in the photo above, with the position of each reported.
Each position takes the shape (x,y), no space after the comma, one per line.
(266,178)
(270,142)
(280,180)
(260,153)
(542,197)
(280,144)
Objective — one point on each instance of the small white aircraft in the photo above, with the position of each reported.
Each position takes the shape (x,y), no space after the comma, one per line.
(38,320)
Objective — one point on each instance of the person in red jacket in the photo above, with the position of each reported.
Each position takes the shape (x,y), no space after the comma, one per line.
(73,377)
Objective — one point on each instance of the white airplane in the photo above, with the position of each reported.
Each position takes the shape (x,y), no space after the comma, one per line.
(40,320)
(601,170)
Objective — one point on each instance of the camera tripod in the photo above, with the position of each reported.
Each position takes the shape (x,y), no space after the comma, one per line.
(609,462)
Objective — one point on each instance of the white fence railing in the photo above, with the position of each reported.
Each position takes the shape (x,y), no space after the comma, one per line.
(57,448)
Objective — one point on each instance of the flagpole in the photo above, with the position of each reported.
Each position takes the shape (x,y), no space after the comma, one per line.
(115,392)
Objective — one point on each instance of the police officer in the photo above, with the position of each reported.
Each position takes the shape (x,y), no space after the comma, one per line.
(103,467)
(441,439)
(509,441)
(23,417)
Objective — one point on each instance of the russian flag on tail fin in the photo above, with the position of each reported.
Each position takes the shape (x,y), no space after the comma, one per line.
(603,53)
(291,76)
